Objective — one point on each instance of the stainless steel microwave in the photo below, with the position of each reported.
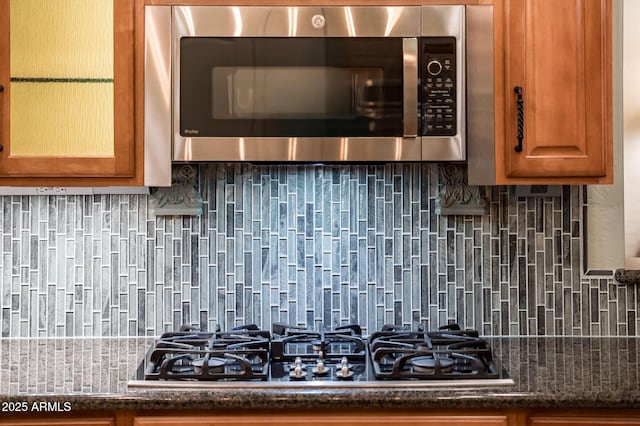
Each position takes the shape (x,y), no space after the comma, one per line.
(310,84)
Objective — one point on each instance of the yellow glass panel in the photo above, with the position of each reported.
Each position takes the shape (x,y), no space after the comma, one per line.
(62,119)
(61,68)
(61,38)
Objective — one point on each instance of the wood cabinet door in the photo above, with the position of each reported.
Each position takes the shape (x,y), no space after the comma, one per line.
(559,54)
(324,420)
(60,422)
(583,421)
(67,108)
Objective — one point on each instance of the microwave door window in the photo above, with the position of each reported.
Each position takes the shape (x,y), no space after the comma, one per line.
(296,93)
(338,91)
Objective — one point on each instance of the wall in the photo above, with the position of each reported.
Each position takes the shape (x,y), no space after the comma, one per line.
(308,245)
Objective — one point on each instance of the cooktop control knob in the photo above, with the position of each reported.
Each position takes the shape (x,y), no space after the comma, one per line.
(320,369)
(344,373)
(297,373)
(297,364)
(434,67)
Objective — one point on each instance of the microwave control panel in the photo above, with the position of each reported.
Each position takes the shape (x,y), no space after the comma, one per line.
(438,80)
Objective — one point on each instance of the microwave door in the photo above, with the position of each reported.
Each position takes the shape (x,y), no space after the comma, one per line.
(355,98)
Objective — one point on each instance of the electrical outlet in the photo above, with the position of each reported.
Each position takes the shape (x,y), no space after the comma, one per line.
(524,191)
(51,190)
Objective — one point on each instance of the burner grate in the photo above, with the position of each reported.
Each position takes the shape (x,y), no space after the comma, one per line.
(446,354)
(235,355)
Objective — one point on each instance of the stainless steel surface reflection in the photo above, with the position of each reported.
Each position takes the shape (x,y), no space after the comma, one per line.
(297,149)
(258,21)
(376,384)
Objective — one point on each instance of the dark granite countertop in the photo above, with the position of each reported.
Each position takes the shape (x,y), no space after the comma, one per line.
(554,372)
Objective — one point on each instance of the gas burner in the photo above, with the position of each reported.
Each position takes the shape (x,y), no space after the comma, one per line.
(240,354)
(214,365)
(429,364)
(290,343)
(448,353)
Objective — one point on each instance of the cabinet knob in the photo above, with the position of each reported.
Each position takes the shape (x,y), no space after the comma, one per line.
(520,102)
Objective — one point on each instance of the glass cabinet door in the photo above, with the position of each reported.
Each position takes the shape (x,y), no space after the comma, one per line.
(61,70)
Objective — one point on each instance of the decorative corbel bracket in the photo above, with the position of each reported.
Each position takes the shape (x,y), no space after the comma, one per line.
(456,197)
(181,198)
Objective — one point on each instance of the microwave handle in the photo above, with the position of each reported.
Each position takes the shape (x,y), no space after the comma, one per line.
(410,86)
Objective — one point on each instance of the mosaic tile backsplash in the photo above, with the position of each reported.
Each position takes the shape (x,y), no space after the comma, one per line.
(308,245)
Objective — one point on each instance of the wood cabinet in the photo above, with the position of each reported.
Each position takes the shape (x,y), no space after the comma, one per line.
(67,108)
(60,422)
(325,420)
(464,417)
(556,93)
(338,417)
(583,421)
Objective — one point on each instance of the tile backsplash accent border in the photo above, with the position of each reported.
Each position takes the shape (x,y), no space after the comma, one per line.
(306,244)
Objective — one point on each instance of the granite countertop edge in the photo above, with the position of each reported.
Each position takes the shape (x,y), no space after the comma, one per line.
(335,399)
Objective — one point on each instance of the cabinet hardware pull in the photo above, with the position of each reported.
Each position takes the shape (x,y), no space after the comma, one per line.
(518,90)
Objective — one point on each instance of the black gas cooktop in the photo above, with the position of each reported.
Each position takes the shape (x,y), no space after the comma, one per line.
(294,356)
